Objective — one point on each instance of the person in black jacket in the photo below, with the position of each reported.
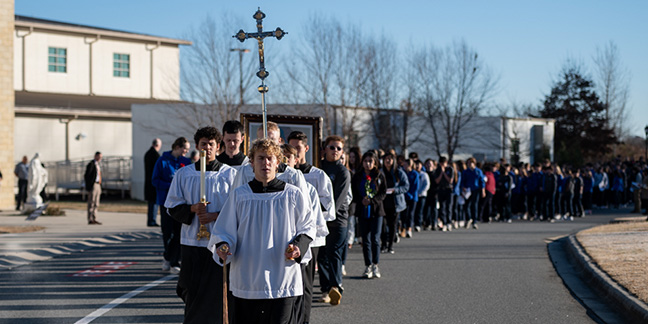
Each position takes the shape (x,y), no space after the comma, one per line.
(504,187)
(394,203)
(150,195)
(549,189)
(330,255)
(369,188)
(92,179)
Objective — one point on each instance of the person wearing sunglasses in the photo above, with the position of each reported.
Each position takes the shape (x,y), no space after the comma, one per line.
(330,255)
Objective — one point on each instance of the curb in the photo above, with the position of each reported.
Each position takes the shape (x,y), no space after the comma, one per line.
(633,308)
(17,259)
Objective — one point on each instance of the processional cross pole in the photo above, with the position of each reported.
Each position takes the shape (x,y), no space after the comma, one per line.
(262,74)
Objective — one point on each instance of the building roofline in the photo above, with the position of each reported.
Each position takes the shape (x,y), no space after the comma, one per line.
(532,119)
(24,22)
(62,113)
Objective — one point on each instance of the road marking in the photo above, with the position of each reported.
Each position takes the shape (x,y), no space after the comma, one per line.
(103,269)
(105,308)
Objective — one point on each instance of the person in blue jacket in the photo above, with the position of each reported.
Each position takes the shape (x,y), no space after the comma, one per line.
(473,186)
(411,198)
(163,172)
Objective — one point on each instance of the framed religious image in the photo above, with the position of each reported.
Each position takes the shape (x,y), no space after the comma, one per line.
(311,126)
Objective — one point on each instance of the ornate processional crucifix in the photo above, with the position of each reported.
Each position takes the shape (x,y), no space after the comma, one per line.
(262,74)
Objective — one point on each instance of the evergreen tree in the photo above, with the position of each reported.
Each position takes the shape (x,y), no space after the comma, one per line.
(582,133)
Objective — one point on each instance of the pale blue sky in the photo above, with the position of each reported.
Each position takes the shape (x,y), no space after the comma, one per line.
(524,42)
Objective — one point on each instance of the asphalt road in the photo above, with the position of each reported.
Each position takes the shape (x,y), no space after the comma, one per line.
(500,273)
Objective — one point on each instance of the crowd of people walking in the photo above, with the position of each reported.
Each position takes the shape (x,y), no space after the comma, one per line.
(374,199)
(440,195)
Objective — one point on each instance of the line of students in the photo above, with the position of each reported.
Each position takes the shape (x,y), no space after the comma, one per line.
(262,213)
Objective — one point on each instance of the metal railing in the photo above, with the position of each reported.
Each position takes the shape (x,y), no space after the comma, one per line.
(64,176)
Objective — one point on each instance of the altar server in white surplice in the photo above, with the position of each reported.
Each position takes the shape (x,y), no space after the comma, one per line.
(308,271)
(200,281)
(263,231)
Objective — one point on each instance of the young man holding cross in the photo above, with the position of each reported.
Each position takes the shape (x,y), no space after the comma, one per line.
(201,279)
(266,276)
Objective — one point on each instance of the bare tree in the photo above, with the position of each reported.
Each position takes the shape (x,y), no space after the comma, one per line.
(381,90)
(457,87)
(212,73)
(612,81)
(316,62)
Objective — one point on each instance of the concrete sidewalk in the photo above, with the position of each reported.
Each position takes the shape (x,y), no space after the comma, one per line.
(67,234)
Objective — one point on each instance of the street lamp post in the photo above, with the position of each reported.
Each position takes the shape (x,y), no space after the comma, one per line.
(240,52)
(646,152)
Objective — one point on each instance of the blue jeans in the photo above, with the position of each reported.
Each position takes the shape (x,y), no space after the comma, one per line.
(472,204)
(445,206)
(407,217)
(330,258)
(418,211)
(152,213)
(370,229)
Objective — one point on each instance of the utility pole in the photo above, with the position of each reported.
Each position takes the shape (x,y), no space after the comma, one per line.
(240,53)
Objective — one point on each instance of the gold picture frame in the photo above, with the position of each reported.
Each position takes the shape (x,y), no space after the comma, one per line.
(311,126)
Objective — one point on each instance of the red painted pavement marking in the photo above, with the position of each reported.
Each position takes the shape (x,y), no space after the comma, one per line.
(103,269)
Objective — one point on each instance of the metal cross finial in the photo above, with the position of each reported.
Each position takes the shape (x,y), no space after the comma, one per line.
(259,36)
(262,73)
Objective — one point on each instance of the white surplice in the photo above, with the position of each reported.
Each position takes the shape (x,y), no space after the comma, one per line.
(185,189)
(258,228)
(292,176)
(322,183)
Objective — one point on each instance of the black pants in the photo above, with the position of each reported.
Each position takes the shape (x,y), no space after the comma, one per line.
(578,205)
(22,193)
(533,203)
(200,286)
(171,238)
(430,214)
(567,206)
(389,227)
(308,275)
(549,208)
(266,311)
(503,205)
(486,207)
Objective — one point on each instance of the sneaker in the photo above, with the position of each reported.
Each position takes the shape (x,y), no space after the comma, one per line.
(417,228)
(391,251)
(509,221)
(344,273)
(475,226)
(449,228)
(175,270)
(166,265)
(335,296)
(376,271)
(368,273)
(325,298)
(409,233)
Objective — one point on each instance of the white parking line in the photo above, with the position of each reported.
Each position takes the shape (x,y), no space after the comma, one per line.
(105,308)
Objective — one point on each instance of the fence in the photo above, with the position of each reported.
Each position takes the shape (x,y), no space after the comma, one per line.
(66,176)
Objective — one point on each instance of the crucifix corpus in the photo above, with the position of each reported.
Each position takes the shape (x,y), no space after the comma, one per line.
(262,74)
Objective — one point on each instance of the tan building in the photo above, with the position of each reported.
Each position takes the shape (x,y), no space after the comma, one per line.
(6,104)
(73,87)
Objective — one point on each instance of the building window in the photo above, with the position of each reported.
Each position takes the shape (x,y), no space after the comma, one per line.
(57,60)
(121,65)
